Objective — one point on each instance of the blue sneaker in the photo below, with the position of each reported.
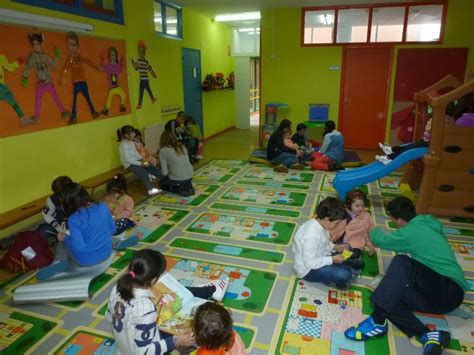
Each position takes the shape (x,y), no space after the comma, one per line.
(434,342)
(366,330)
(51,270)
(126,243)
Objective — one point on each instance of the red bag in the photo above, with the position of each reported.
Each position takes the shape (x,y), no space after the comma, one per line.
(30,251)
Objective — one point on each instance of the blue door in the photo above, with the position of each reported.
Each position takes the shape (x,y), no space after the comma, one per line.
(192,85)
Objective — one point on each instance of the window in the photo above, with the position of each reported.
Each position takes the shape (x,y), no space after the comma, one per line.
(105,10)
(246,41)
(392,23)
(168,19)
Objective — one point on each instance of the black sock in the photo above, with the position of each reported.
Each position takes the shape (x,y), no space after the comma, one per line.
(379,316)
(205,292)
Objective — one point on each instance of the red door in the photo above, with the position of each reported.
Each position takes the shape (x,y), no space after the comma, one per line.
(364,93)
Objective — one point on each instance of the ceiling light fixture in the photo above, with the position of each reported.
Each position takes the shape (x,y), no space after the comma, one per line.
(238,17)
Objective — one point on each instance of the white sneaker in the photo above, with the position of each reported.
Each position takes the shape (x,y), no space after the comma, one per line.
(386,148)
(151,177)
(199,157)
(383,159)
(221,287)
(154,191)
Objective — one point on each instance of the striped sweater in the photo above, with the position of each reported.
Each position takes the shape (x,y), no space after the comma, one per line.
(144,67)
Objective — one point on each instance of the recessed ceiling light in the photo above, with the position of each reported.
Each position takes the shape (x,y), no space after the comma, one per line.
(238,17)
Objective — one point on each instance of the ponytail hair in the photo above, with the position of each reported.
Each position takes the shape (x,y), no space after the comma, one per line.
(123,131)
(118,184)
(146,266)
(329,126)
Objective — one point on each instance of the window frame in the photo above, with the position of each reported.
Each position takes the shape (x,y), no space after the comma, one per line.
(179,11)
(78,10)
(370,7)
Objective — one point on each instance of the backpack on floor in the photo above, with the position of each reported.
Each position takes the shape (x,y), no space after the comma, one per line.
(30,251)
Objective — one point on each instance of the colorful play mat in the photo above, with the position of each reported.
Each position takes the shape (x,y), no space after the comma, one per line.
(240,224)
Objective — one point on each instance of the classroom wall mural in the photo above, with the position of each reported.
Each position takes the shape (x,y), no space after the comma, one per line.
(51,79)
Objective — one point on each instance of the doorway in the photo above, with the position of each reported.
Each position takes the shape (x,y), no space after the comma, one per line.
(192,85)
(254,91)
(364,96)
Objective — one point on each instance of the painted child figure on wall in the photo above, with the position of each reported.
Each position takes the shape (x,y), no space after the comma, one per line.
(75,65)
(42,63)
(143,67)
(113,69)
(6,94)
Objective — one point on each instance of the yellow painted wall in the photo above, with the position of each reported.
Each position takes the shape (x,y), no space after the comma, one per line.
(299,75)
(28,163)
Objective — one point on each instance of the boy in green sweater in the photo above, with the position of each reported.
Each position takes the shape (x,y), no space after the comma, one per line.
(430,280)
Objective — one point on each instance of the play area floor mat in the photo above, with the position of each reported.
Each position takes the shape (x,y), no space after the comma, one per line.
(240,224)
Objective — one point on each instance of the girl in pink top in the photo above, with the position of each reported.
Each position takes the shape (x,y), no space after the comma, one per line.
(122,207)
(140,146)
(354,231)
(212,327)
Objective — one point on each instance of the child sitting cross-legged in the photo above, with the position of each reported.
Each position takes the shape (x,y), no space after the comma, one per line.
(426,278)
(354,231)
(316,258)
(212,328)
(122,207)
(133,312)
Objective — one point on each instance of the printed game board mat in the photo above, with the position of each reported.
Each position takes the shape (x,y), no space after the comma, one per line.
(229,250)
(390,182)
(229,207)
(249,289)
(243,228)
(203,191)
(262,172)
(317,316)
(273,184)
(215,173)
(326,184)
(153,221)
(258,196)
(228,163)
(20,330)
(90,341)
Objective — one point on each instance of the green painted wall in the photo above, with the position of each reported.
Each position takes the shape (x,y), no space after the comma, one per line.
(28,163)
(299,75)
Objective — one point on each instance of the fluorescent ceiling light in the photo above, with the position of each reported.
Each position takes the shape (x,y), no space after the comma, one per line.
(238,17)
(39,21)
(246,29)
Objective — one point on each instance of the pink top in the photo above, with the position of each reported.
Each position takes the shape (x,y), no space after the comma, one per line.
(145,153)
(289,143)
(357,231)
(121,208)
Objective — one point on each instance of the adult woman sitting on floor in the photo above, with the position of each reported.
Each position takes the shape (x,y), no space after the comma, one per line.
(281,155)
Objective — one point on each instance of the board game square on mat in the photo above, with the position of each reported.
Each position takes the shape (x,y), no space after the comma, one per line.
(153,221)
(249,289)
(21,331)
(267,173)
(228,163)
(87,341)
(215,173)
(203,191)
(264,196)
(243,228)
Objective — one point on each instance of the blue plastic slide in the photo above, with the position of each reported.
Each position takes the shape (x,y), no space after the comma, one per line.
(347,180)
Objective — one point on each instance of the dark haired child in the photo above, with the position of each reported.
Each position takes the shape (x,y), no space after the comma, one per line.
(121,206)
(132,160)
(316,258)
(141,149)
(113,69)
(75,65)
(88,240)
(429,280)
(331,152)
(178,128)
(53,211)
(354,231)
(212,328)
(133,312)
(301,136)
(175,166)
(195,132)
(42,63)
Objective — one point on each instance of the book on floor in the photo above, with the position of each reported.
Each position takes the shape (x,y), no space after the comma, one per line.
(175,305)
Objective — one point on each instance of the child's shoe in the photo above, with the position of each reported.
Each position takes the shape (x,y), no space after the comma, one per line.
(280,169)
(49,271)
(366,329)
(154,191)
(126,242)
(191,191)
(434,342)
(221,287)
(298,166)
(199,157)
(383,159)
(385,148)
(356,264)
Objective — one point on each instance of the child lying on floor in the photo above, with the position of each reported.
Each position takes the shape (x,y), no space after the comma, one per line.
(316,258)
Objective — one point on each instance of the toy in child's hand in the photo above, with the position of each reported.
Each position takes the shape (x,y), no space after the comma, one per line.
(346,254)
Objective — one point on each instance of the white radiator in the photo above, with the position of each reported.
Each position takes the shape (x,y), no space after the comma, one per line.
(152,136)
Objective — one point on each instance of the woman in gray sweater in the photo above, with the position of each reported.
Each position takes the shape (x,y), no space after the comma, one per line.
(175,165)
